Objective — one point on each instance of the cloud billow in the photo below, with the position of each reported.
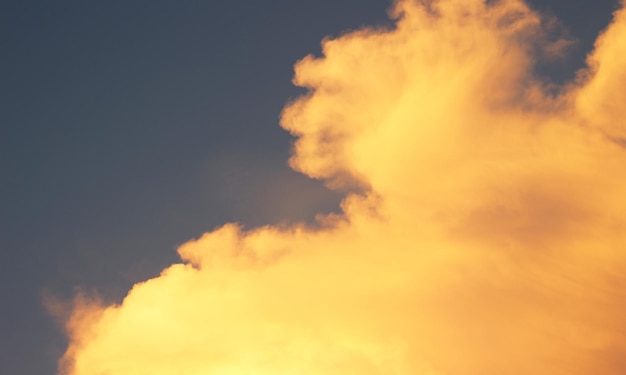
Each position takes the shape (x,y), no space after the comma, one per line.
(487,235)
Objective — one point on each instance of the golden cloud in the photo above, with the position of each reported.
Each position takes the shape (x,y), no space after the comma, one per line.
(487,236)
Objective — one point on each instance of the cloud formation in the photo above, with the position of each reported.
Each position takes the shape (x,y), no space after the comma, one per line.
(487,235)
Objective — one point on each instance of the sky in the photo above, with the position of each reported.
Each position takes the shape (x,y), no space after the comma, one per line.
(128,130)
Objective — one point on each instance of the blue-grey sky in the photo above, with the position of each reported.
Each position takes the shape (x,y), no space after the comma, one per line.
(129,127)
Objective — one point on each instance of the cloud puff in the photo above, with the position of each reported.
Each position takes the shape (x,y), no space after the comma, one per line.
(487,235)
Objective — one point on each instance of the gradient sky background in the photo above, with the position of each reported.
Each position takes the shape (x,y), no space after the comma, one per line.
(128,128)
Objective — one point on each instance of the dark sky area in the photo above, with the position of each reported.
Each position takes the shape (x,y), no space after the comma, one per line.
(130,127)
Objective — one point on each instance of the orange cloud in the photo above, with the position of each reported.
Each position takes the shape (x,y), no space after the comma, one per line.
(488,236)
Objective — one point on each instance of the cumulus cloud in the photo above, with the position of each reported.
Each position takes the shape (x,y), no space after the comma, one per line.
(486,236)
